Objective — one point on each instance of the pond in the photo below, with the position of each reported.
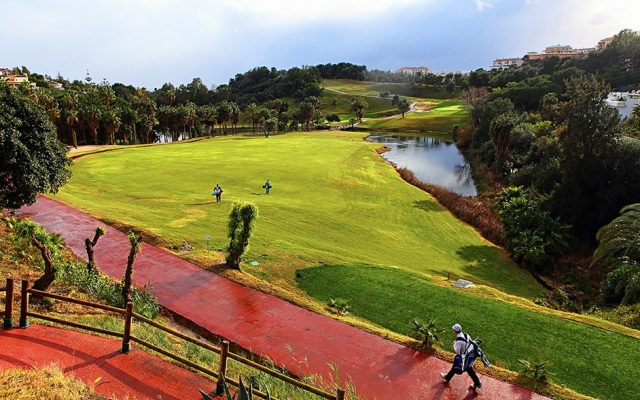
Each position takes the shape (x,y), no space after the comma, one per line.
(432,160)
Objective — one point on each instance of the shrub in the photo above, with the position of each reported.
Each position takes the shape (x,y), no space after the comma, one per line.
(426,333)
(104,288)
(341,306)
(536,370)
(332,117)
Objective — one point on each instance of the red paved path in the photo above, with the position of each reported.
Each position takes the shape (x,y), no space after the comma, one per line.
(98,362)
(381,369)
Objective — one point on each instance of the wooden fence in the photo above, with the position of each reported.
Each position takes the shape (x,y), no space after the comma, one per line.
(8,307)
(127,338)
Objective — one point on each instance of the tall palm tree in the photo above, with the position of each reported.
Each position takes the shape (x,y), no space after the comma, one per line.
(224,113)
(71,115)
(234,115)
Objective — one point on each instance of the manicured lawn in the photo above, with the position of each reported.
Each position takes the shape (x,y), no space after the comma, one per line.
(334,201)
(441,118)
(444,112)
(585,358)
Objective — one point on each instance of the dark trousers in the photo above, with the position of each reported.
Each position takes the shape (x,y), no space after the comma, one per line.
(470,371)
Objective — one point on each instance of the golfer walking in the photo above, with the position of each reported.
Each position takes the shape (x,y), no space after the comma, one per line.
(463,348)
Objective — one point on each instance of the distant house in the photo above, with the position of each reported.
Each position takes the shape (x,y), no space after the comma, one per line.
(604,42)
(14,80)
(412,70)
(54,84)
(502,63)
(558,50)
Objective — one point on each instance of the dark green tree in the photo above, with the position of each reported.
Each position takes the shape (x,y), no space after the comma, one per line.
(590,140)
(620,248)
(532,236)
(404,106)
(358,105)
(32,160)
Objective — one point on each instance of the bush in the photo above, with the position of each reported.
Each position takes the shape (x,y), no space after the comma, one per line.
(536,370)
(332,117)
(104,288)
(426,333)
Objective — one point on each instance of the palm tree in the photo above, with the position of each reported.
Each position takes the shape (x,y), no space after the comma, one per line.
(234,115)
(252,111)
(224,113)
(71,115)
(111,122)
(621,237)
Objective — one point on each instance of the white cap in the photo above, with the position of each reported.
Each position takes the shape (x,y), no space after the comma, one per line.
(457,328)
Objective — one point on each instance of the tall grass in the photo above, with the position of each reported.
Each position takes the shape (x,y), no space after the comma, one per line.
(47,382)
(473,212)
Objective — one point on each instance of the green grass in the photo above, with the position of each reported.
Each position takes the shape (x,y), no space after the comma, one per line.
(441,118)
(334,200)
(585,358)
(444,111)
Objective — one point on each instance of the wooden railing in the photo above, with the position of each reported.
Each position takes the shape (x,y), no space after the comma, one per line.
(8,308)
(127,338)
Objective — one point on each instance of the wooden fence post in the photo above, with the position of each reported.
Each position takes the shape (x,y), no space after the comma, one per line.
(8,309)
(224,352)
(340,394)
(24,304)
(126,338)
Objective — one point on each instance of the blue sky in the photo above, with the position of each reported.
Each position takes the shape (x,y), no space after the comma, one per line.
(149,42)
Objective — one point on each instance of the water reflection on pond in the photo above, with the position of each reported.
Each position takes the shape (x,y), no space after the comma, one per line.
(432,160)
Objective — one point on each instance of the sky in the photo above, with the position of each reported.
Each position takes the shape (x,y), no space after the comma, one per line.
(146,43)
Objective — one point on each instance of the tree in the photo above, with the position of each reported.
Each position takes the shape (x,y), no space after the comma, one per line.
(91,113)
(589,138)
(404,106)
(48,244)
(532,236)
(358,104)
(500,132)
(32,160)
(71,115)
(234,115)
(128,275)
(619,245)
(270,125)
(224,114)
(90,244)
(252,111)
(241,220)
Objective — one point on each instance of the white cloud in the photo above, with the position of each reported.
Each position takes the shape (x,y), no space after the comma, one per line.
(149,42)
(482,4)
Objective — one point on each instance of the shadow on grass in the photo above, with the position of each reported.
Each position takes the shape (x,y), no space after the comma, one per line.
(428,205)
(483,266)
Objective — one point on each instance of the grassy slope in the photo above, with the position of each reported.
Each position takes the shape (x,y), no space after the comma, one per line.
(444,111)
(583,357)
(334,201)
(342,205)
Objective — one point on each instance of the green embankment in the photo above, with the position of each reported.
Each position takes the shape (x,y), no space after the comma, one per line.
(584,358)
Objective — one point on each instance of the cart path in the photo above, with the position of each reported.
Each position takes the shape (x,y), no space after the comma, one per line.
(98,362)
(267,325)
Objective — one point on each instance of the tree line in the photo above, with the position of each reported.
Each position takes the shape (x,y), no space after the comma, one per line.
(544,133)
